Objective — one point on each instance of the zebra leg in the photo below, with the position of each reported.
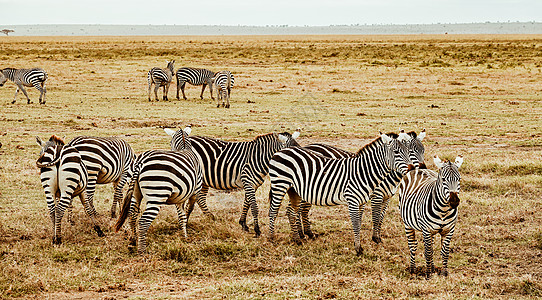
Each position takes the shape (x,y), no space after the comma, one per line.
(355,210)
(227,99)
(276,194)
(250,200)
(292,212)
(376,209)
(150,85)
(428,251)
(24,92)
(182,217)
(412,247)
(211,90)
(134,213)
(69,210)
(203,90)
(91,212)
(201,200)
(166,91)
(41,88)
(304,212)
(445,250)
(182,89)
(65,201)
(16,92)
(156,88)
(150,213)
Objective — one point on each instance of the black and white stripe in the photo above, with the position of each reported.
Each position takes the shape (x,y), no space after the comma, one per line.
(161,78)
(25,77)
(311,177)
(223,82)
(234,165)
(428,203)
(63,176)
(194,76)
(384,191)
(161,177)
(108,160)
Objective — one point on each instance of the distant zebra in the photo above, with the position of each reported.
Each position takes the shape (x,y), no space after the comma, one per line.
(161,177)
(311,177)
(223,82)
(63,176)
(160,78)
(234,165)
(196,77)
(25,77)
(380,197)
(428,203)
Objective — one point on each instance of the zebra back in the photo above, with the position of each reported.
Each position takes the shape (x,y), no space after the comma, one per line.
(194,76)
(161,76)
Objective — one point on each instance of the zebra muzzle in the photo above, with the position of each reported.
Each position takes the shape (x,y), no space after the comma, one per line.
(454,200)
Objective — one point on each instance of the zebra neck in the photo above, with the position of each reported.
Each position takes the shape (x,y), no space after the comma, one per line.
(9,73)
(441,196)
(371,161)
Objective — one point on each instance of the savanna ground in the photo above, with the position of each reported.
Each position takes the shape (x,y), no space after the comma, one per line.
(479,96)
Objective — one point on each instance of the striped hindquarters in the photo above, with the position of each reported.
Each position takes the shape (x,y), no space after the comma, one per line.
(159,76)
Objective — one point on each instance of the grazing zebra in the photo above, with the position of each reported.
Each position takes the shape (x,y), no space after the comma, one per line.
(234,165)
(63,176)
(311,177)
(160,78)
(223,82)
(25,77)
(194,76)
(161,177)
(381,195)
(428,203)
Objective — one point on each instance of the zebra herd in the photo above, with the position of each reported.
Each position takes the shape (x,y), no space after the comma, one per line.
(221,82)
(315,174)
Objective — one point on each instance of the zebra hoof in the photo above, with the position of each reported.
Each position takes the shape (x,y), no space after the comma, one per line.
(13,102)
(227,106)
(244,225)
(218,106)
(99,231)
(57,240)
(310,235)
(113,215)
(257,231)
(359,251)
(377,239)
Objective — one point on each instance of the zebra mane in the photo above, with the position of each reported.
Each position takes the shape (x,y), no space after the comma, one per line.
(57,140)
(362,149)
(262,136)
(412,134)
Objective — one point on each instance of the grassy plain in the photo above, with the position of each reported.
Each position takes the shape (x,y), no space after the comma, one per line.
(479,96)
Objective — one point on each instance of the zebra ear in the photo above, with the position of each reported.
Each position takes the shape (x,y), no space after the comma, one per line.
(296,133)
(282,138)
(385,138)
(459,161)
(39,141)
(403,137)
(421,136)
(188,129)
(437,162)
(169,131)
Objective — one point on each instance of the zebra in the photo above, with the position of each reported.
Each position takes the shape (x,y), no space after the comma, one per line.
(417,150)
(311,177)
(194,76)
(234,165)
(223,82)
(161,177)
(428,203)
(380,197)
(35,77)
(63,176)
(107,160)
(160,78)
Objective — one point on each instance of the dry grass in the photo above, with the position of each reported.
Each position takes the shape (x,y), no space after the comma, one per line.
(479,96)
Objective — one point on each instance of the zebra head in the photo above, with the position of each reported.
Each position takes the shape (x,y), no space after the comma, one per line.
(53,140)
(416,149)
(179,138)
(450,178)
(171,66)
(398,158)
(3,78)
(50,156)
(289,140)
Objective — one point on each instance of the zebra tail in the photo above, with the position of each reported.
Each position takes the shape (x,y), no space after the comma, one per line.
(125,210)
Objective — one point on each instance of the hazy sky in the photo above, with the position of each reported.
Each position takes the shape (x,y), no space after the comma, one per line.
(275,12)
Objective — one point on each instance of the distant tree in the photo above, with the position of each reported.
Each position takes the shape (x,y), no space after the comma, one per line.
(7,31)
